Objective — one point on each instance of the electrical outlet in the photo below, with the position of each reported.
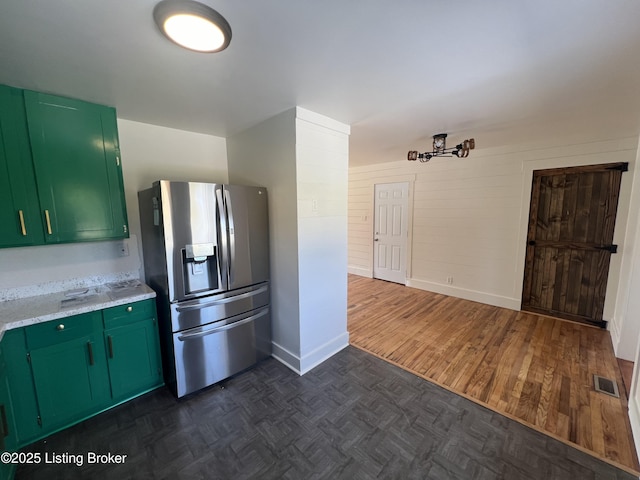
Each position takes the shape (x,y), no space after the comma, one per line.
(124,249)
(450,280)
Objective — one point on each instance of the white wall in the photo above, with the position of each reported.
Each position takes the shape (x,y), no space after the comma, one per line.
(265,156)
(470,217)
(148,153)
(151,153)
(625,329)
(28,271)
(631,318)
(301,158)
(628,313)
(322,154)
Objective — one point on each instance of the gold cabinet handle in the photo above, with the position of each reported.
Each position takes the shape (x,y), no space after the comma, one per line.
(60,327)
(48,219)
(129,309)
(23,229)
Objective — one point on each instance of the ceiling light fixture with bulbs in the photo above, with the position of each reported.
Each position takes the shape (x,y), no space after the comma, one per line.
(440,149)
(192,25)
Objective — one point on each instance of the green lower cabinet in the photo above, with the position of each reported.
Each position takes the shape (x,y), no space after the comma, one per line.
(71,380)
(21,389)
(134,358)
(7,422)
(64,371)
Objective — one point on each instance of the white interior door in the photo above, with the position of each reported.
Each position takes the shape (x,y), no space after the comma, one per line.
(390,232)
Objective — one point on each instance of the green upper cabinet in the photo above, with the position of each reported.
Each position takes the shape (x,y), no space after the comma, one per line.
(20,223)
(76,159)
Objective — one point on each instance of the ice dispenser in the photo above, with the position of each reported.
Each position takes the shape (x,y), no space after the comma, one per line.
(200,268)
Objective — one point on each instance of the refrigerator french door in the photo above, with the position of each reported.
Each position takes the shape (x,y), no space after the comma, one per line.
(206,254)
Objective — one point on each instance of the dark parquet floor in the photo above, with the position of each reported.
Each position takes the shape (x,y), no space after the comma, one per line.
(353,417)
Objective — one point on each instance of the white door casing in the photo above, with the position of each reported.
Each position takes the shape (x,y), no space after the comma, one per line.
(391,205)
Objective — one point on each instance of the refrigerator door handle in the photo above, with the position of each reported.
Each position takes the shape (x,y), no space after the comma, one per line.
(232,236)
(209,331)
(223,264)
(198,306)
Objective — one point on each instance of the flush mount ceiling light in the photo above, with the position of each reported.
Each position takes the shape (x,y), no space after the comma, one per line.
(192,25)
(440,149)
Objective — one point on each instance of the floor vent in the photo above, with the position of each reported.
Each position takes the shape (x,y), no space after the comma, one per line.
(606,385)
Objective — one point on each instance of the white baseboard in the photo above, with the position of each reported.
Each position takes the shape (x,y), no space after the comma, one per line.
(482,297)
(634,419)
(363,272)
(614,331)
(287,358)
(302,365)
(323,352)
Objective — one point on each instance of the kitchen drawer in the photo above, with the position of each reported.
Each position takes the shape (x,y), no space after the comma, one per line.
(129,313)
(62,330)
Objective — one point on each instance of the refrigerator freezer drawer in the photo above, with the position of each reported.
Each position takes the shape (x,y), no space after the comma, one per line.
(209,354)
(217,308)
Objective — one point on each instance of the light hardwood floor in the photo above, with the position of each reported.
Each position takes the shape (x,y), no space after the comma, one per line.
(535,369)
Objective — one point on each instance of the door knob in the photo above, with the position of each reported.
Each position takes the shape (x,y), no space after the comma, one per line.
(375,239)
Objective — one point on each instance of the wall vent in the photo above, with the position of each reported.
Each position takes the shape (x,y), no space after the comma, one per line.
(606,385)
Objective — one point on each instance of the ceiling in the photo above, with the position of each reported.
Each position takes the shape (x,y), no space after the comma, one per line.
(397,71)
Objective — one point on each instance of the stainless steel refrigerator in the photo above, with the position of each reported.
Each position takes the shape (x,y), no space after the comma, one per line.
(206,254)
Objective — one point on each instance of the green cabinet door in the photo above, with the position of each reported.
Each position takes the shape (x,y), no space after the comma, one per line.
(21,389)
(134,358)
(8,439)
(76,157)
(7,424)
(71,380)
(19,209)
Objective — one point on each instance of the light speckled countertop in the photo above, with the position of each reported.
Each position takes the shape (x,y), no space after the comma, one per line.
(42,308)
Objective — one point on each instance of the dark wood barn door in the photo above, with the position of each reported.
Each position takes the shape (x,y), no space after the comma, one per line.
(569,244)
